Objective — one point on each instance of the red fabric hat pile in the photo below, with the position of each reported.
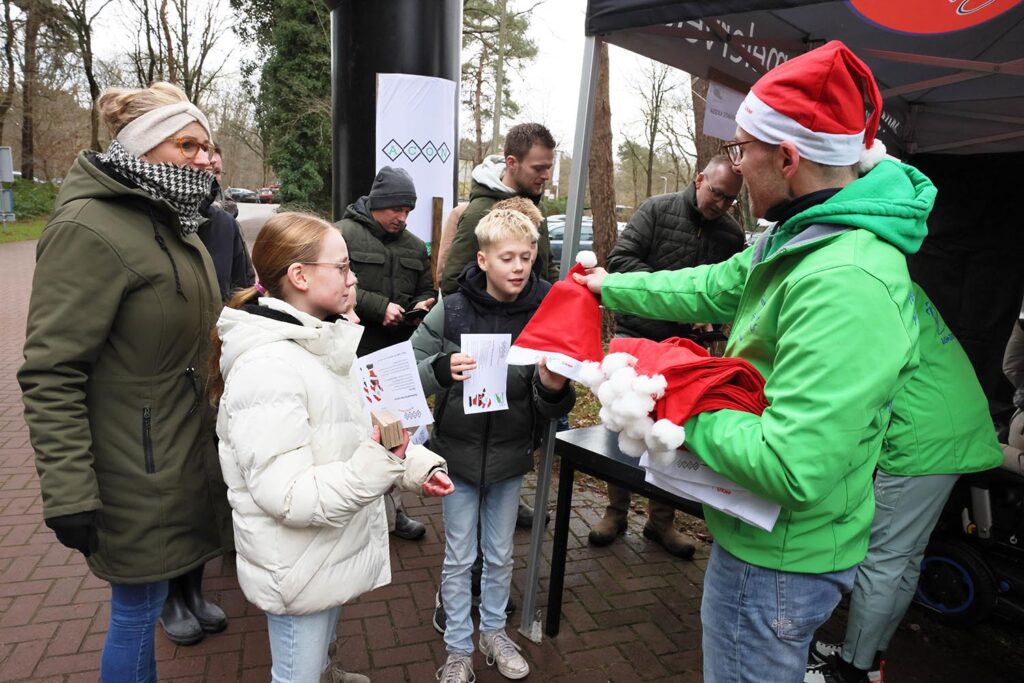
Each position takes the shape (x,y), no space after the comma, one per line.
(695,381)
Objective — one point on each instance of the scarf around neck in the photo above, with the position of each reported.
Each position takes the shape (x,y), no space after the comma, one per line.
(183,187)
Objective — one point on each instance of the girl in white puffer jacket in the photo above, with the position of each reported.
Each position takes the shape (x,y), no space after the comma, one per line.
(304,470)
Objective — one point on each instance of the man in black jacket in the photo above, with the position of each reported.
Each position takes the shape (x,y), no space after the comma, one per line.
(668,232)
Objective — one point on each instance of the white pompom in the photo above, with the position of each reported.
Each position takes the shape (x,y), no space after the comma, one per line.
(631,406)
(662,457)
(587,259)
(665,436)
(651,385)
(591,375)
(609,420)
(607,393)
(616,361)
(634,448)
(638,428)
(869,158)
(622,380)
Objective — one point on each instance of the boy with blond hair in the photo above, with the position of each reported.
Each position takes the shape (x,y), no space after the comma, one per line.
(487,453)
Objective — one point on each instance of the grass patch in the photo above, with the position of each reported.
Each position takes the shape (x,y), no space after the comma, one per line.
(23,230)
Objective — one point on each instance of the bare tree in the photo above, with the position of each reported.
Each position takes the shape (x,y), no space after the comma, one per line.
(602,173)
(10,87)
(654,90)
(79,18)
(679,137)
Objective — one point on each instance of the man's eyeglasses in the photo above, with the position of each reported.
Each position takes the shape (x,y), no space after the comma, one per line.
(190,147)
(720,196)
(735,150)
(344,267)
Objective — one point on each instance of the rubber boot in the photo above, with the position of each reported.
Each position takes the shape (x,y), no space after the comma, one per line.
(614,521)
(180,625)
(210,617)
(661,529)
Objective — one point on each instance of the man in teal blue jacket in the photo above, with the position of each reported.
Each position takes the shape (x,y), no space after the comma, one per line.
(822,306)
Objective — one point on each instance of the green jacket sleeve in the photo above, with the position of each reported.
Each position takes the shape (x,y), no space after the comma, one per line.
(76,292)
(463,249)
(425,287)
(827,399)
(709,293)
(550,267)
(371,306)
(428,343)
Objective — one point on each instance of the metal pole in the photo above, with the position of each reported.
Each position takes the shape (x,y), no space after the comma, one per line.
(530,626)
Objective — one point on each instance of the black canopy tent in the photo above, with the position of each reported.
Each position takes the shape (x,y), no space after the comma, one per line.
(951,73)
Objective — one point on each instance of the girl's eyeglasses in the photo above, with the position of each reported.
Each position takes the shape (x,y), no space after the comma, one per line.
(190,147)
(344,267)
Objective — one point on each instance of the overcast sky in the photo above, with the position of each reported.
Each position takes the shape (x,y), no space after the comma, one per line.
(547,89)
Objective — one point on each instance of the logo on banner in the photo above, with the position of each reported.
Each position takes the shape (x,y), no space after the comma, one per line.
(931,16)
(413,151)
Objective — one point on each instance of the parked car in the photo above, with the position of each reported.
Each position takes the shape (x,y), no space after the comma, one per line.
(241,195)
(268,195)
(556,234)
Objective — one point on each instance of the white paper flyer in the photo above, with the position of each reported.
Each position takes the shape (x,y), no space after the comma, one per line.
(484,391)
(390,381)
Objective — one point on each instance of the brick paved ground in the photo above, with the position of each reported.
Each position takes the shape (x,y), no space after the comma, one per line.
(630,613)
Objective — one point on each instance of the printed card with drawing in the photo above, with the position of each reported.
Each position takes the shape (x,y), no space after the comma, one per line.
(484,391)
(390,381)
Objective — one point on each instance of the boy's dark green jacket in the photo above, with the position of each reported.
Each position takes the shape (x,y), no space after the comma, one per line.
(484,448)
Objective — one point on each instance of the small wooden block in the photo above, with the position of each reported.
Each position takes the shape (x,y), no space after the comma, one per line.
(390,428)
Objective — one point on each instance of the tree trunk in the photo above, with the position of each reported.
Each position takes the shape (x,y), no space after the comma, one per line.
(499,78)
(7,97)
(30,69)
(602,174)
(707,147)
(478,156)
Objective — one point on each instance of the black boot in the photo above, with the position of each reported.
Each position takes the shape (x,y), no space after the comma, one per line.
(181,627)
(408,528)
(210,617)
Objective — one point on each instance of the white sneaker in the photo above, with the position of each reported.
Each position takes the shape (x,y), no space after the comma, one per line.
(456,669)
(501,650)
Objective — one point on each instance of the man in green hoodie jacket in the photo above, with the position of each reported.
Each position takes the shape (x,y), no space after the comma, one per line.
(822,306)
(523,171)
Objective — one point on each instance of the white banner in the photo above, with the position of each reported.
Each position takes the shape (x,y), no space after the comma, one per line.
(416,131)
(720,112)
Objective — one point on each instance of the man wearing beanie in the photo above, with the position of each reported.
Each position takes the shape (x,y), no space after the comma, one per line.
(394,277)
(822,305)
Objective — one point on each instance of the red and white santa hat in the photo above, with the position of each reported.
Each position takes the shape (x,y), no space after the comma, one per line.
(816,101)
(566,328)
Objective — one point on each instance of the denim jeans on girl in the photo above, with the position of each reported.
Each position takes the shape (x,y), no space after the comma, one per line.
(494,507)
(128,654)
(758,623)
(298,645)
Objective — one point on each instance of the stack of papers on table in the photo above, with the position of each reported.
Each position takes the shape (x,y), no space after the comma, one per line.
(688,477)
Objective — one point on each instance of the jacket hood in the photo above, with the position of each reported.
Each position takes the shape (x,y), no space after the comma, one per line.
(893,201)
(473,285)
(359,211)
(240,331)
(88,178)
(487,179)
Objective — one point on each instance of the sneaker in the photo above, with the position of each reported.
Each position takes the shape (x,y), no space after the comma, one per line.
(831,671)
(821,651)
(501,650)
(440,620)
(456,669)
(335,674)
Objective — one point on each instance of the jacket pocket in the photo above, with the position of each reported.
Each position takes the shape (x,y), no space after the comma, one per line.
(147,439)
(412,264)
(367,257)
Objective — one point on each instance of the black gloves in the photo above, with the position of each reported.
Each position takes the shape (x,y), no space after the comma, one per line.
(77,531)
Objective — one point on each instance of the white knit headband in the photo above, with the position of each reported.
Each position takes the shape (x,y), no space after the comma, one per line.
(153,127)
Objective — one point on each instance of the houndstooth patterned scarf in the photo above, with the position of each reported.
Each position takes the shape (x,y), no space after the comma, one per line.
(183,187)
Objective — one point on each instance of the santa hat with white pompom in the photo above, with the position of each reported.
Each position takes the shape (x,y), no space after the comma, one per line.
(566,328)
(817,101)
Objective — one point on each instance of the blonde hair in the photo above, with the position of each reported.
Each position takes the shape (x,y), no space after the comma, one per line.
(120,106)
(523,206)
(504,224)
(286,238)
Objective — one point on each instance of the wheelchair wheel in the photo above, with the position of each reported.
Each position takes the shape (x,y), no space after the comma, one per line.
(956,583)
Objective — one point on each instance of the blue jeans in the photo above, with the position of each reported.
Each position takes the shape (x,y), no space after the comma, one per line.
(758,623)
(298,645)
(494,508)
(128,655)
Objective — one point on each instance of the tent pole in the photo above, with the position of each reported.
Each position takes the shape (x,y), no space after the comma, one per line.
(530,625)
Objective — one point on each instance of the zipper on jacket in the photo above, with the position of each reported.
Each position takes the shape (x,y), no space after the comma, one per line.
(147,440)
(197,393)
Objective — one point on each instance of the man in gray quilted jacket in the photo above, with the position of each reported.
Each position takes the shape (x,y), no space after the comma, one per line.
(669,232)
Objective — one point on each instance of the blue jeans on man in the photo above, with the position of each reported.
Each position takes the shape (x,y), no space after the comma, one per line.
(758,623)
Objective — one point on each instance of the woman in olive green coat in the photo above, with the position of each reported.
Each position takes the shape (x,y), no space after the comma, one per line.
(123,300)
